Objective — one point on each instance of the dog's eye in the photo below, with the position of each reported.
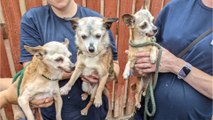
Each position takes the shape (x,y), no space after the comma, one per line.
(60,59)
(143,26)
(84,37)
(98,36)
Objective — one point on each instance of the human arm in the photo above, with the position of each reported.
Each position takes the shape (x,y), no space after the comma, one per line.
(171,63)
(5,83)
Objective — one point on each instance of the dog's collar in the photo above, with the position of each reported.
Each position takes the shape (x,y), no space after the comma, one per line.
(49,78)
(131,42)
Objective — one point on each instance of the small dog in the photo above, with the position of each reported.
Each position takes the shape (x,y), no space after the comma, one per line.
(142,30)
(40,79)
(94,55)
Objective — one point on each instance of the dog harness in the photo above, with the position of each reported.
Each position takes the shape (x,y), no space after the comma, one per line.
(19,75)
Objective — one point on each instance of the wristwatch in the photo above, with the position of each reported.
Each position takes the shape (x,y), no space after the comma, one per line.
(184,71)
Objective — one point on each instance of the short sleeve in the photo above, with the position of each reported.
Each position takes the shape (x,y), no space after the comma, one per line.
(160,21)
(29,35)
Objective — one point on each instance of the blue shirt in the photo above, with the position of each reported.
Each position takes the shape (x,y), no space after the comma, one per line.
(181,22)
(41,25)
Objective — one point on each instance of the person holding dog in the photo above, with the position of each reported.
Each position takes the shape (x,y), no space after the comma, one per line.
(50,23)
(184,86)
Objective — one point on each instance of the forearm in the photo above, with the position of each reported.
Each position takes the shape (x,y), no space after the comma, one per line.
(198,79)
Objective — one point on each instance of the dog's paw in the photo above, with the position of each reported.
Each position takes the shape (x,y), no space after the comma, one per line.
(84,96)
(126,75)
(84,112)
(64,90)
(138,105)
(98,102)
(153,58)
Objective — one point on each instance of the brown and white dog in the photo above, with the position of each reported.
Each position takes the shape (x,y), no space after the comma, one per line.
(142,30)
(94,55)
(40,79)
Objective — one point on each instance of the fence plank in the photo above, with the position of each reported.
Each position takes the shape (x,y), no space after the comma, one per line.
(156,6)
(123,35)
(94,5)
(111,11)
(33,3)
(139,4)
(12,17)
(78,2)
(4,69)
(165,2)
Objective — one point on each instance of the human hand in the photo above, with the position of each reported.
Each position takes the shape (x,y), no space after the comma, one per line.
(93,78)
(46,102)
(144,65)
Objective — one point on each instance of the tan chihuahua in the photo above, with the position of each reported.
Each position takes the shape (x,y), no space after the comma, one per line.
(94,55)
(40,79)
(142,30)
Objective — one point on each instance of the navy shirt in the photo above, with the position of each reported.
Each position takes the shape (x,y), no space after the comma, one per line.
(181,22)
(39,26)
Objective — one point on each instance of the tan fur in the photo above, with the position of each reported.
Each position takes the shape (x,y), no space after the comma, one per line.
(139,35)
(99,61)
(34,86)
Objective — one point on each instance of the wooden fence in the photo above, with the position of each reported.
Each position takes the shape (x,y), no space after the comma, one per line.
(10,16)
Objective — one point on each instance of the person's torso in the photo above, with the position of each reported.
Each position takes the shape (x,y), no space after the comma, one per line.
(183,23)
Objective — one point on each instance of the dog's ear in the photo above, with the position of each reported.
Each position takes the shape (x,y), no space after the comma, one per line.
(129,20)
(108,22)
(66,42)
(74,22)
(39,51)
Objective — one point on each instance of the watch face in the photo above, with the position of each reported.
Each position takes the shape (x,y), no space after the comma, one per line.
(186,70)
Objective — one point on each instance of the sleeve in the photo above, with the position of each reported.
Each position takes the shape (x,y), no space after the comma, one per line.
(29,35)
(114,49)
(160,22)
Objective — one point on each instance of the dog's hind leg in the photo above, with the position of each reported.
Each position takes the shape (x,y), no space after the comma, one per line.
(93,92)
(58,105)
(18,113)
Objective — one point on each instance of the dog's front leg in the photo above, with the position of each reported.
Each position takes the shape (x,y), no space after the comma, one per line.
(127,70)
(101,86)
(23,102)
(76,73)
(58,105)
(153,54)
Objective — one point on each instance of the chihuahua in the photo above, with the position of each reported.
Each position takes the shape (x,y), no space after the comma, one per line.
(142,30)
(41,76)
(94,55)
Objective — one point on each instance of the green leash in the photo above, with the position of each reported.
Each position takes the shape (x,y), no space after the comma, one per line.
(20,74)
(151,86)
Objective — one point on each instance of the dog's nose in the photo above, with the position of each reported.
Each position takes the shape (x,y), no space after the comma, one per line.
(155,30)
(72,68)
(91,48)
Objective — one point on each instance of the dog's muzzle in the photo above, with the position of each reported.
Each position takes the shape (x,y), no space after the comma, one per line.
(91,48)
